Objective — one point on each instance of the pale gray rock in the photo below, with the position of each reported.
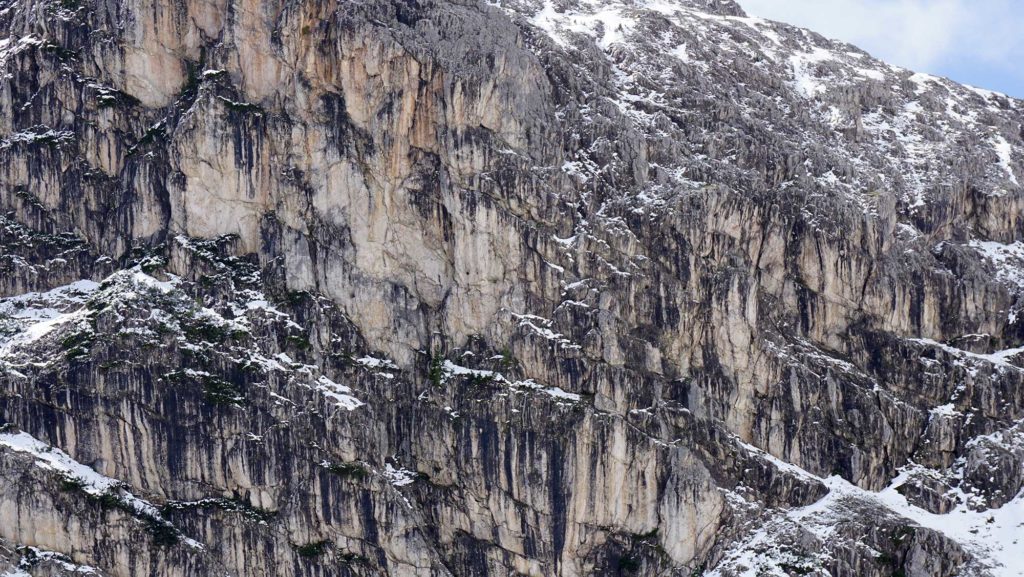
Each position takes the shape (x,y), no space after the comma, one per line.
(514,288)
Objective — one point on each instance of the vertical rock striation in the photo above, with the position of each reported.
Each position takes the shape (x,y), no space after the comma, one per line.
(517,288)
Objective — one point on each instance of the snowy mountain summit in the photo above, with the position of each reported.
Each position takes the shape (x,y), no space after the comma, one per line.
(526,287)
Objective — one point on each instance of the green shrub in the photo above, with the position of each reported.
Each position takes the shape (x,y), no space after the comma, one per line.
(628,564)
(152,134)
(220,392)
(348,470)
(299,341)
(197,329)
(435,372)
(312,549)
(480,380)
(78,344)
(233,505)
(507,361)
(795,569)
(163,533)
(352,558)
(296,298)
(243,507)
(68,483)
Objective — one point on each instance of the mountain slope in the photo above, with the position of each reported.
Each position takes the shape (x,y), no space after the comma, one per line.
(531,288)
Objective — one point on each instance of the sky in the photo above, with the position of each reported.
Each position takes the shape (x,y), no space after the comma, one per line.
(976,42)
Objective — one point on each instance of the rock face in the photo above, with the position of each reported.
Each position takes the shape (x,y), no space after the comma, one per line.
(438,288)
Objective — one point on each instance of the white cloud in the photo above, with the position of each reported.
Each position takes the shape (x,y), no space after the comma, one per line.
(919,34)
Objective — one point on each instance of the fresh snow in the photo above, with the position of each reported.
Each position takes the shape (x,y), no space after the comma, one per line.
(910,139)
(451,369)
(998,358)
(1007,258)
(922,80)
(607,25)
(994,535)
(947,410)
(30,317)
(541,327)
(459,370)
(34,315)
(804,64)
(340,394)
(555,392)
(399,477)
(1004,151)
(61,560)
(558,393)
(375,363)
(53,459)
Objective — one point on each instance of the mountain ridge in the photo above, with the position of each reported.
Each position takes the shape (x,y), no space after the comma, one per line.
(522,288)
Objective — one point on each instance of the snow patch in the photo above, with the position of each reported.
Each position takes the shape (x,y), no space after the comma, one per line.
(998,358)
(451,369)
(53,459)
(541,327)
(375,363)
(32,316)
(399,477)
(803,65)
(1008,259)
(340,394)
(995,535)
(1004,152)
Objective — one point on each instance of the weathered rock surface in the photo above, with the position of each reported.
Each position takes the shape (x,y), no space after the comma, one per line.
(526,288)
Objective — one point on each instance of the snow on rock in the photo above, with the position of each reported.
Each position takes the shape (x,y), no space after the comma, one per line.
(684,161)
(890,128)
(28,317)
(994,536)
(451,369)
(399,477)
(558,393)
(998,359)
(804,77)
(379,367)
(340,394)
(53,459)
(1008,259)
(947,410)
(90,481)
(541,327)
(555,392)
(1005,153)
(375,363)
(168,309)
(33,557)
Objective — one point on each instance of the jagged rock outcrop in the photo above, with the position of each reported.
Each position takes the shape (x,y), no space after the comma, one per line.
(525,288)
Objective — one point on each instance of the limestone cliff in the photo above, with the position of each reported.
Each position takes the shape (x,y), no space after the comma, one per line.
(559,287)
